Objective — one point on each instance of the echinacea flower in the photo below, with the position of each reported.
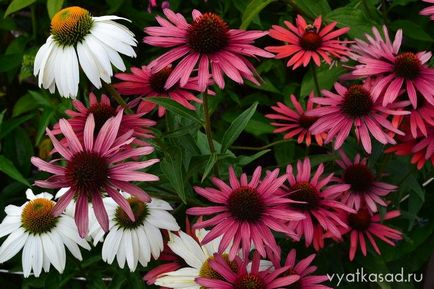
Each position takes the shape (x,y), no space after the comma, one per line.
(246,212)
(243,274)
(78,38)
(362,225)
(196,256)
(307,42)
(421,148)
(94,166)
(42,236)
(393,69)
(134,241)
(317,201)
(206,44)
(295,122)
(419,119)
(354,107)
(364,188)
(102,111)
(304,269)
(146,82)
(428,11)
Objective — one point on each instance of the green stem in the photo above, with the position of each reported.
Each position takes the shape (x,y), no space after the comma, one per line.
(260,148)
(384,11)
(34,23)
(315,79)
(115,94)
(208,130)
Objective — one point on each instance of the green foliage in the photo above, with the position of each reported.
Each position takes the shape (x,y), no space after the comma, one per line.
(243,137)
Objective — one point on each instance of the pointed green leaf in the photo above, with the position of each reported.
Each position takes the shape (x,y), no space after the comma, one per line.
(7,167)
(17,5)
(252,10)
(237,126)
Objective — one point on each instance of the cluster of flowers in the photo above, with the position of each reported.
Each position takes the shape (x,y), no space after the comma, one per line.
(101,149)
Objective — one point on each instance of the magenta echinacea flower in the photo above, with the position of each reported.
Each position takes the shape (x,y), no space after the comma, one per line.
(365,189)
(428,11)
(206,44)
(354,107)
(94,166)
(246,212)
(393,69)
(295,122)
(146,82)
(317,201)
(362,225)
(243,274)
(307,42)
(102,111)
(304,269)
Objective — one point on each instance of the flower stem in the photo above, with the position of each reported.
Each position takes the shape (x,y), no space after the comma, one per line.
(315,80)
(115,94)
(34,23)
(208,130)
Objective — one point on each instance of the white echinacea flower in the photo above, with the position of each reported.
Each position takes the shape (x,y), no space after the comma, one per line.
(78,38)
(134,241)
(42,236)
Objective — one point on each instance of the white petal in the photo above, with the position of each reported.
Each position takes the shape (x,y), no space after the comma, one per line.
(155,239)
(51,252)
(145,248)
(13,244)
(162,220)
(38,256)
(114,43)
(111,245)
(159,204)
(187,248)
(121,255)
(27,256)
(12,210)
(100,57)
(127,243)
(88,64)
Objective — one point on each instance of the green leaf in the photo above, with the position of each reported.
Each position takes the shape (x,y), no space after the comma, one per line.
(9,125)
(354,18)
(44,121)
(237,126)
(53,6)
(411,30)
(175,107)
(252,10)
(10,61)
(17,5)
(245,160)
(7,167)
(313,8)
(24,104)
(326,77)
(209,165)
(171,166)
